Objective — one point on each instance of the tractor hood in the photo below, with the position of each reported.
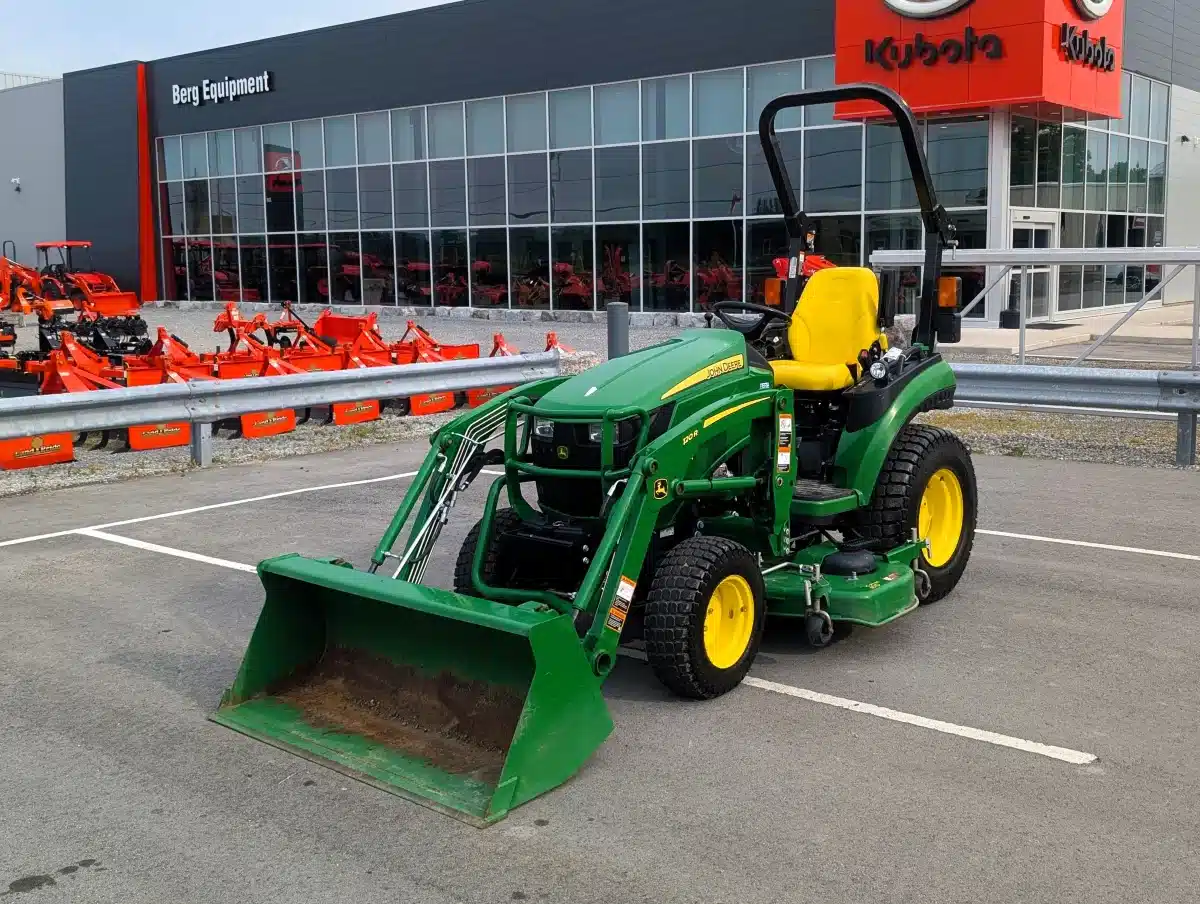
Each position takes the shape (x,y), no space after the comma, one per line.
(652,376)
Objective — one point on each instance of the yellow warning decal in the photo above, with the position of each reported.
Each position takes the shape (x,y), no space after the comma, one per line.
(620,606)
(726,366)
(720,416)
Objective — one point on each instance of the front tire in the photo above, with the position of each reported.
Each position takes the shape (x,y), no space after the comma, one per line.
(506,519)
(928,484)
(704,617)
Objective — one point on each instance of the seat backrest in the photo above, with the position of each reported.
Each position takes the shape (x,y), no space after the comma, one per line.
(837,316)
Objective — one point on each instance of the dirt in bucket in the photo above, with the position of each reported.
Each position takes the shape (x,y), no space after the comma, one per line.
(462,727)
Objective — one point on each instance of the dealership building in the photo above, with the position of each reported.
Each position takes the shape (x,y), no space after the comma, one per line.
(559,155)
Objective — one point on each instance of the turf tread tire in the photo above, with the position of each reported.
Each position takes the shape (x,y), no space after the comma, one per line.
(505,519)
(918,452)
(675,609)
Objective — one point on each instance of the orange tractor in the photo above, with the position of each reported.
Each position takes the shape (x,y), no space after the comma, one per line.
(21,288)
(91,292)
(99,303)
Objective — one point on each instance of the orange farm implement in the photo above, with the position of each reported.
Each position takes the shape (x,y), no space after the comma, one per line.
(95,353)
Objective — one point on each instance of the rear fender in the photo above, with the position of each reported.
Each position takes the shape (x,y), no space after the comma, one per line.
(861,454)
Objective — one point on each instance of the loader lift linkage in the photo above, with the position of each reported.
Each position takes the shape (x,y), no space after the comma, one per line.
(677,495)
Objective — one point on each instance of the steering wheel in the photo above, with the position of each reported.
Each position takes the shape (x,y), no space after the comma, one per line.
(753,331)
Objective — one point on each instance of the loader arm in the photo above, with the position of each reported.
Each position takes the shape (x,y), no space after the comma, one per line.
(429,483)
(676,468)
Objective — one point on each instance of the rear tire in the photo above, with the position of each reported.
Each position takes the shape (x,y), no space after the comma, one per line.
(927,482)
(700,638)
(505,520)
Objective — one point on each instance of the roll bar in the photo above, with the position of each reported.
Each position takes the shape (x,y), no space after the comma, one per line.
(939,229)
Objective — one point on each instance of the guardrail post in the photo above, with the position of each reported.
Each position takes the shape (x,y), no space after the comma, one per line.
(1026,303)
(1196,323)
(618,329)
(202,445)
(1185,444)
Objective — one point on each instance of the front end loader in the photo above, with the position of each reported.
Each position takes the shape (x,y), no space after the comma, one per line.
(675,496)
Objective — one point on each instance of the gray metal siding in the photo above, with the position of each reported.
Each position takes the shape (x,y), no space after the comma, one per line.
(482,48)
(1148,27)
(33,154)
(1162,39)
(100,108)
(1185,46)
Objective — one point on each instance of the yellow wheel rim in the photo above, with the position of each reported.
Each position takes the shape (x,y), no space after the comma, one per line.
(729,621)
(941,517)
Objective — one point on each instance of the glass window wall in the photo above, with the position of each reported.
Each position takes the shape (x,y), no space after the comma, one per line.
(1107,179)
(652,191)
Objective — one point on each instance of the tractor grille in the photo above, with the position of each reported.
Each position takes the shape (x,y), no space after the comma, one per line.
(571,450)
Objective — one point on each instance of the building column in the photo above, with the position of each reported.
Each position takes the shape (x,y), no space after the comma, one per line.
(999,224)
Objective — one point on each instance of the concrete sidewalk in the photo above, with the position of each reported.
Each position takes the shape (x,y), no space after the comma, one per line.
(1170,325)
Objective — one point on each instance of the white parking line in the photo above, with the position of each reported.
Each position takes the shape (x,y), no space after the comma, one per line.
(36,537)
(233,502)
(1066,755)
(209,508)
(1163,554)
(1136,550)
(165,550)
(963,731)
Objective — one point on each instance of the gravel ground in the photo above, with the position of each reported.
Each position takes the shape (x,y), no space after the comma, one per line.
(1065,437)
(1107,440)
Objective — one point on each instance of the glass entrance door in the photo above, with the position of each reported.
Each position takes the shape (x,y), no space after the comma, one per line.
(1038,298)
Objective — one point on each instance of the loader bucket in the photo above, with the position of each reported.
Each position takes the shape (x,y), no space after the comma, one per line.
(462,705)
(115,304)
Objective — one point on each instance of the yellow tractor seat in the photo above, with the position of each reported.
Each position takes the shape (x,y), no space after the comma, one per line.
(836,319)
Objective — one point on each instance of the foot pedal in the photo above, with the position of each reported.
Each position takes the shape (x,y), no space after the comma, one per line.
(817,491)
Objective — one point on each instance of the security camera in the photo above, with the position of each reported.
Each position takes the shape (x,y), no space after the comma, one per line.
(16,183)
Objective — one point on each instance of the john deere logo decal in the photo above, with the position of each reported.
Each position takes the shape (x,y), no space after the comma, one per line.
(660,489)
(928,9)
(563,453)
(1094,9)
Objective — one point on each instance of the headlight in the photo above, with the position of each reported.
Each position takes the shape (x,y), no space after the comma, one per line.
(595,432)
(543,429)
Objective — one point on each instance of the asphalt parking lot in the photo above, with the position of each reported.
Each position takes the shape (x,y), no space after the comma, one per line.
(118,642)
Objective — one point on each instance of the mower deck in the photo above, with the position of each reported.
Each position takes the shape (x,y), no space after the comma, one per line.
(871,598)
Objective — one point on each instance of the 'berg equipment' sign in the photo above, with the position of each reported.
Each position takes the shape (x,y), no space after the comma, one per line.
(224,89)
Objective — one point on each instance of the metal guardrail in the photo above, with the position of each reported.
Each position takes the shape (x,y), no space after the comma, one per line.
(1171,393)
(204,402)
(1009,259)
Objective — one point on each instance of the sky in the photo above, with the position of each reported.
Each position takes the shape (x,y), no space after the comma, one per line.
(90,33)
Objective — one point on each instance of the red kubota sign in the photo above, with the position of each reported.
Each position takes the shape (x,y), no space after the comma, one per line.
(944,55)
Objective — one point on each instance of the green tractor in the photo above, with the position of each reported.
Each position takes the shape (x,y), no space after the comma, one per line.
(677,495)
